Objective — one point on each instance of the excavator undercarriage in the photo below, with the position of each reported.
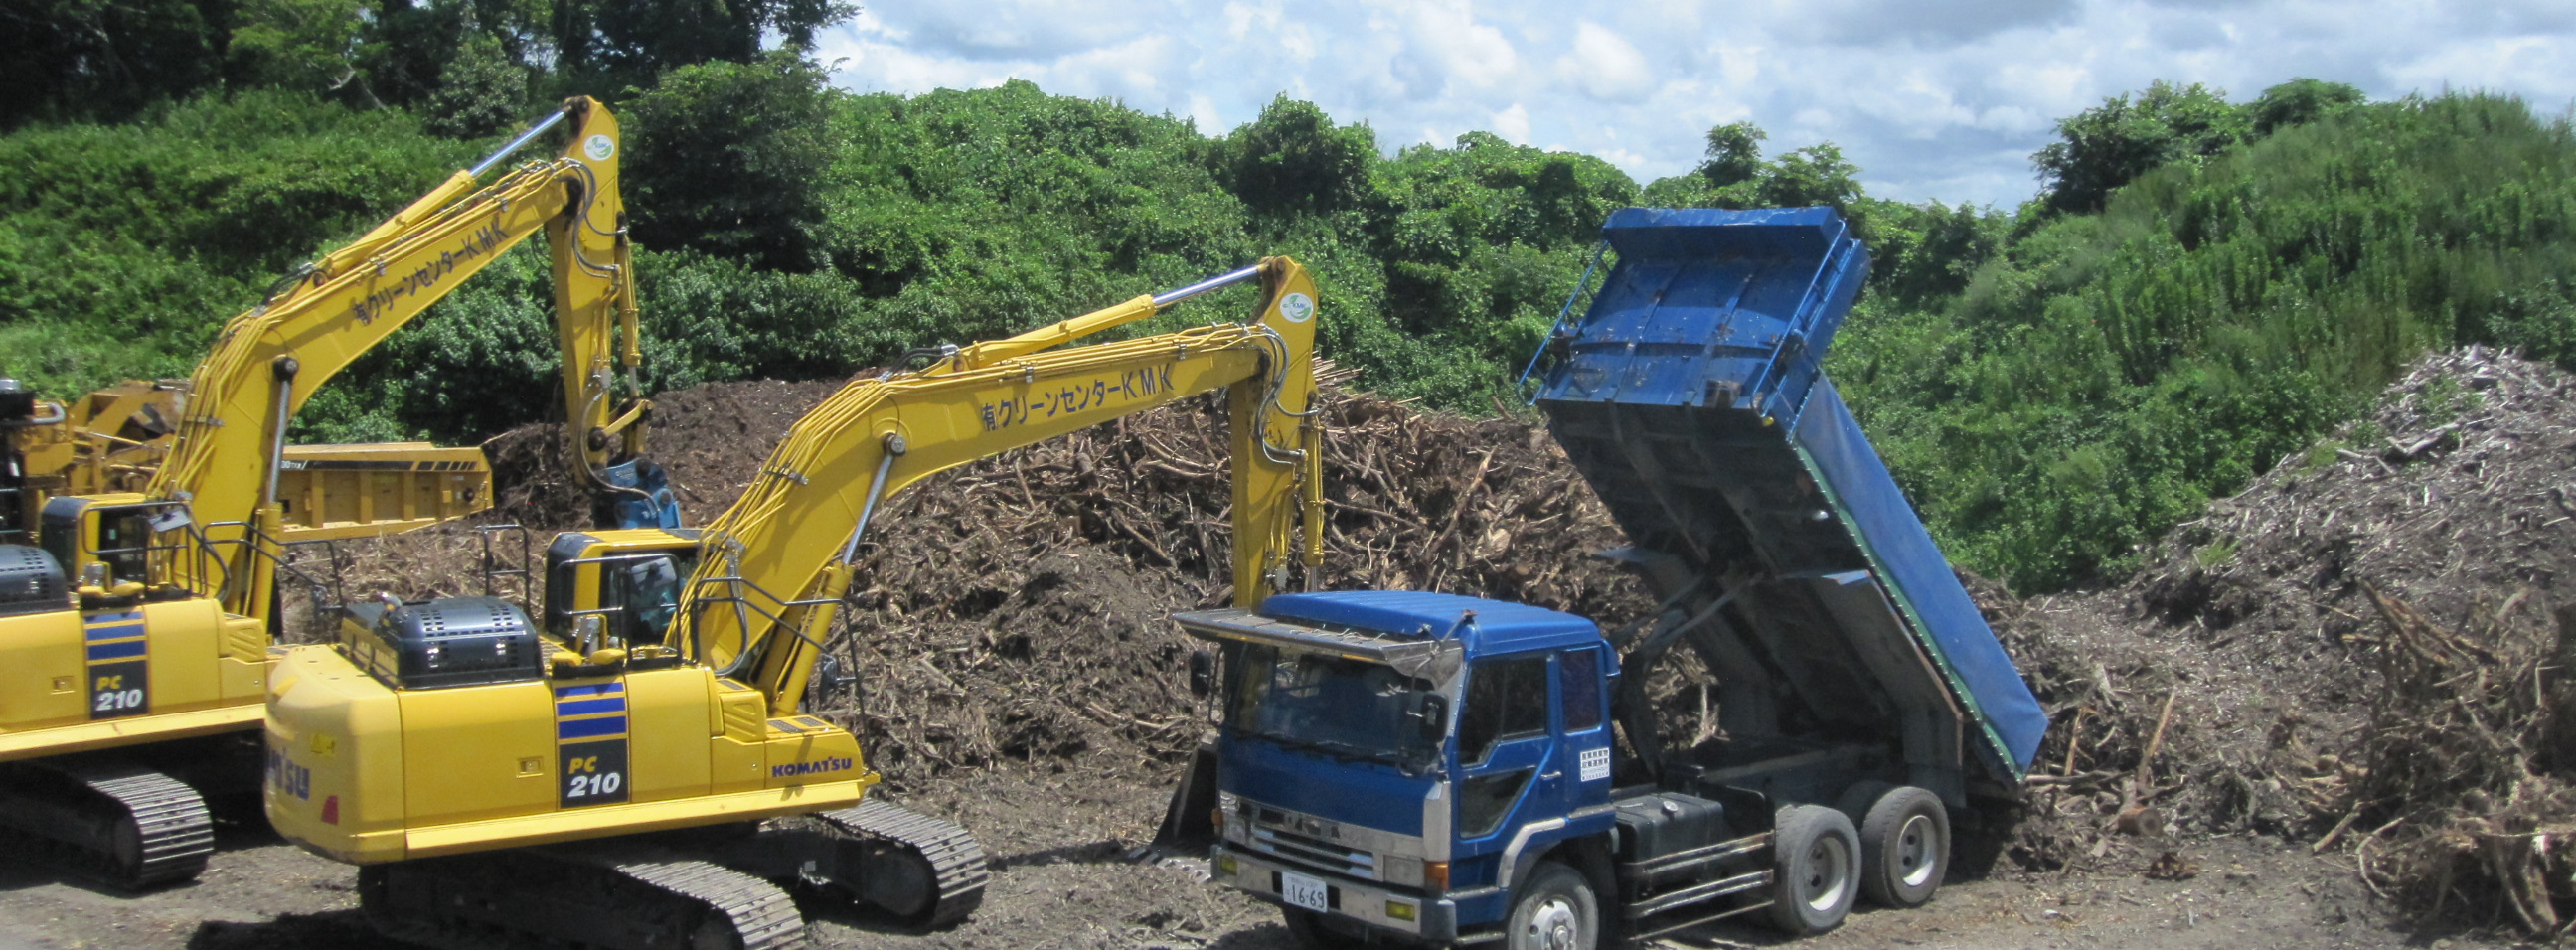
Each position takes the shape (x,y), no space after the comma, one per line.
(114,821)
(724,886)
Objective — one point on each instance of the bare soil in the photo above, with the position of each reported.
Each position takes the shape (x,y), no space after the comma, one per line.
(2249,746)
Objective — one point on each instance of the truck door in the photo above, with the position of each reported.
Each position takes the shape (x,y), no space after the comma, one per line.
(1509,770)
(1583,728)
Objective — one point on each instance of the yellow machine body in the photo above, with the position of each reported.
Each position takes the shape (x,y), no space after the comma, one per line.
(143,672)
(366,771)
(112,440)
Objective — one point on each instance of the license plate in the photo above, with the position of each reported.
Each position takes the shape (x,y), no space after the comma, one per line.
(1303,891)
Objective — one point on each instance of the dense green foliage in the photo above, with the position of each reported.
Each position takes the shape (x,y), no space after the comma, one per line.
(2109,373)
(2200,288)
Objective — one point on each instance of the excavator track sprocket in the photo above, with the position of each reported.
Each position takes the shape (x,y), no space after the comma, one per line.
(930,861)
(603,898)
(119,823)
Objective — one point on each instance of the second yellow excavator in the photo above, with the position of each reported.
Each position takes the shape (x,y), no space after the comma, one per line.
(145,620)
(593,774)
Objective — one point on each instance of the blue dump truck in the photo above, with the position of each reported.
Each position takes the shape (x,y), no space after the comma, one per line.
(1451,769)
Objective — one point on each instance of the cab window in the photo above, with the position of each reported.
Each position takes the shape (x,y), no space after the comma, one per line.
(1578,675)
(646,595)
(1506,699)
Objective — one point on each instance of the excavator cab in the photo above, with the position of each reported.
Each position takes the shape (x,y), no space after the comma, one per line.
(629,580)
(106,543)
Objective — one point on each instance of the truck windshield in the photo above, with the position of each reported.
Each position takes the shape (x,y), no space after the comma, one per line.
(1332,705)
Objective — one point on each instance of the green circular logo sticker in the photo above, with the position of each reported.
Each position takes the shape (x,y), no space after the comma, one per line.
(1298,308)
(599,148)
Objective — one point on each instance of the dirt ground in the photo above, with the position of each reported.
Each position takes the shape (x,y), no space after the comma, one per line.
(1063,880)
(2329,713)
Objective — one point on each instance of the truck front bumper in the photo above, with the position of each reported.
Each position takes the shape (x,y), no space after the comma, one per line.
(1365,902)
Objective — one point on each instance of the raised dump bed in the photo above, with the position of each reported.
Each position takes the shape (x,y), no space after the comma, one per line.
(1689,394)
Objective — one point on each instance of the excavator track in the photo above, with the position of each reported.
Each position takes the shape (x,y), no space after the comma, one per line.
(607,897)
(116,822)
(916,850)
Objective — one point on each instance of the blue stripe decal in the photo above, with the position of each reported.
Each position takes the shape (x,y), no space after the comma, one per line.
(115,651)
(590,728)
(119,630)
(584,707)
(566,692)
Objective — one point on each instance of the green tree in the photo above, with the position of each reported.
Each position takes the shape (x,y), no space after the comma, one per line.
(1811,176)
(1292,158)
(1734,154)
(731,159)
(480,92)
(634,40)
(2112,144)
(73,59)
(2299,102)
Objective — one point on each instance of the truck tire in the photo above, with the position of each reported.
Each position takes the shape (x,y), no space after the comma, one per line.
(1554,910)
(1904,847)
(1815,879)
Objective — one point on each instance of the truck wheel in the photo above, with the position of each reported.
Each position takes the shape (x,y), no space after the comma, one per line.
(1554,910)
(1905,847)
(1815,876)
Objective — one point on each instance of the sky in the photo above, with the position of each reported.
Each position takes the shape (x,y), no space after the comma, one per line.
(1934,101)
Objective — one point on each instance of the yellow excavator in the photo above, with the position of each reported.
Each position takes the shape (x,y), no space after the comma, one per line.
(112,440)
(596,772)
(145,620)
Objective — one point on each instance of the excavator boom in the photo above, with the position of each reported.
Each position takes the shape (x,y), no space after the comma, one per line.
(662,689)
(147,617)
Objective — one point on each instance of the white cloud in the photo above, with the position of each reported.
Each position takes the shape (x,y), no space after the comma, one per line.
(1932,100)
(1605,66)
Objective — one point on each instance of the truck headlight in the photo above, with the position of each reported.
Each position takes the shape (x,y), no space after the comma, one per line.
(1404,871)
(1231,825)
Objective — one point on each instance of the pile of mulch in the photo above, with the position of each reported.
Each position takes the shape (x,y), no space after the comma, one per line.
(1016,608)
(2365,650)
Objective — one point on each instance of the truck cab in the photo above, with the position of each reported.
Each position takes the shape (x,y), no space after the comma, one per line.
(1391,755)
(1445,768)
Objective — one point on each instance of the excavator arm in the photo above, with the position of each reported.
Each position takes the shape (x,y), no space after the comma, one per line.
(268,361)
(773,568)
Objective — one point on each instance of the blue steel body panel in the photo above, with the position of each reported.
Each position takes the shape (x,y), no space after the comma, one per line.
(1499,627)
(1866,495)
(1691,397)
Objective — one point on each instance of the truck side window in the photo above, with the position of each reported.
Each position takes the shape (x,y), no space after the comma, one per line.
(1506,699)
(1578,675)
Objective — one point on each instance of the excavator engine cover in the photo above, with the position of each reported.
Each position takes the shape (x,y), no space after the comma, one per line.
(459,641)
(30,581)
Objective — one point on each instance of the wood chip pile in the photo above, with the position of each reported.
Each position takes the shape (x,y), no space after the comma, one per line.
(2365,650)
